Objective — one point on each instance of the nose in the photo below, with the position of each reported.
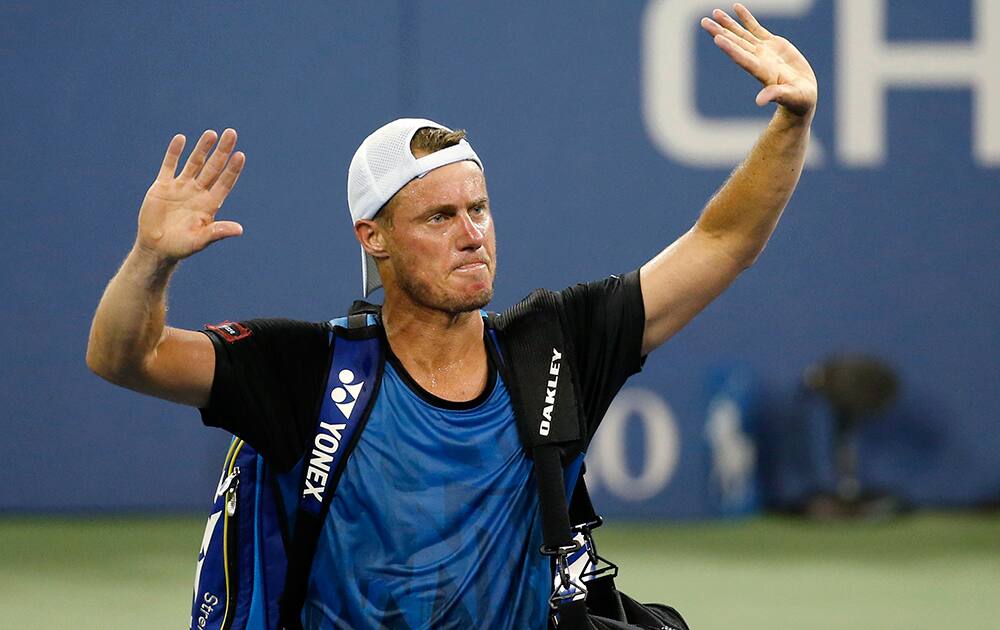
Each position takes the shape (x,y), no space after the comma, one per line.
(472,234)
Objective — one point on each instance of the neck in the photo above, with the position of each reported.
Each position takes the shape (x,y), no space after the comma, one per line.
(443,352)
(435,336)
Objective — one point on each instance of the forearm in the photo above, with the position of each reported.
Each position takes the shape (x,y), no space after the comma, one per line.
(745,211)
(130,318)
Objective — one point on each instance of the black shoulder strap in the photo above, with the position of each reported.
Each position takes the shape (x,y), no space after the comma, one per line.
(544,393)
(538,364)
(357,360)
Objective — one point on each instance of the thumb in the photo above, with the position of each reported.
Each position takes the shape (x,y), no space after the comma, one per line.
(770,93)
(219,230)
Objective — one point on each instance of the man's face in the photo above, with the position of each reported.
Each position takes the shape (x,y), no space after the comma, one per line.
(441,243)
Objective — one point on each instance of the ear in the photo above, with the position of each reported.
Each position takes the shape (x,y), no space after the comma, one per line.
(373,238)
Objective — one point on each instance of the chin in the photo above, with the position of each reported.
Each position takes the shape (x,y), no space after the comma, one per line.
(467,303)
(467,296)
(452,301)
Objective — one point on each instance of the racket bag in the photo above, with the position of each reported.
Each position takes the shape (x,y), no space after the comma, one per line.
(256,554)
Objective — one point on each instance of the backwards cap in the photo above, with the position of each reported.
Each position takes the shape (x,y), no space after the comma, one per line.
(382,165)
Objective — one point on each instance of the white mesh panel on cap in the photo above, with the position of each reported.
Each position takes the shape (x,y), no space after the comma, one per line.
(382,165)
(388,148)
(359,181)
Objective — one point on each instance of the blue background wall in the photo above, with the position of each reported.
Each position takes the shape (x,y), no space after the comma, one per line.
(898,257)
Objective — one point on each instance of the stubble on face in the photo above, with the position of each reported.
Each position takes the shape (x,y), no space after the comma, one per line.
(423,293)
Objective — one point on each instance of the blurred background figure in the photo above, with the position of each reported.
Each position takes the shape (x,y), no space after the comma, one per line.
(856,388)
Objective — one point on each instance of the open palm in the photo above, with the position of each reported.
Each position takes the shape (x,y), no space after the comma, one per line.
(785,74)
(177,217)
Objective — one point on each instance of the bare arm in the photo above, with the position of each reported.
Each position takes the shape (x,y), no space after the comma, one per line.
(130,344)
(737,222)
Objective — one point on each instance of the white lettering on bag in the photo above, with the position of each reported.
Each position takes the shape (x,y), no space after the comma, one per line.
(550,394)
(324,446)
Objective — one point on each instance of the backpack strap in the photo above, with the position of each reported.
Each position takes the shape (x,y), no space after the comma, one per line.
(568,601)
(357,360)
(544,392)
(543,388)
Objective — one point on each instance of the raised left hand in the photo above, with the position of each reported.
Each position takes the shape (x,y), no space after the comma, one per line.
(787,78)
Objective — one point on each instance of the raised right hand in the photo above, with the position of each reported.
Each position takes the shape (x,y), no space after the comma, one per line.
(177,217)
(783,71)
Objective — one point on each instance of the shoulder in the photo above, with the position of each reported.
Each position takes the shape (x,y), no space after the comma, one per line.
(248,327)
(577,299)
(537,302)
(626,286)
(266,332)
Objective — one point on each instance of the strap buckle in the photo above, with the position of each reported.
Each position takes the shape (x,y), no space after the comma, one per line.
(568,588)
(594,567)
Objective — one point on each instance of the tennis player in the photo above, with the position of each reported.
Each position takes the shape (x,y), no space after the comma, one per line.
(435,521)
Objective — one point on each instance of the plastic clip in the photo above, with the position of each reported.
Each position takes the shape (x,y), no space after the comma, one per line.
(568,589)
(595,567)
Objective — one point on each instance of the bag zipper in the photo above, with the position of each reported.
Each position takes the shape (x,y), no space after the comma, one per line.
(229,548)
(228,488)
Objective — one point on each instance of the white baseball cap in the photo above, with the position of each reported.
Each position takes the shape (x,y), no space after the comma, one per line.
(382,165)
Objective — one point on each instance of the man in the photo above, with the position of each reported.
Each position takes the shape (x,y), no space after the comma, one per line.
(435,521)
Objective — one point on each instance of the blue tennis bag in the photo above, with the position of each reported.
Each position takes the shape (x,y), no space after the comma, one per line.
(241,562)
(254,561)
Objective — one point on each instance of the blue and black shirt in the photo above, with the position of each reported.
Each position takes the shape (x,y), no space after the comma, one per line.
(435,521)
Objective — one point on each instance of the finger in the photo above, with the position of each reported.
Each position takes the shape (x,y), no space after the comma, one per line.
(767,95)
(224,185)
(715,29)
(791,98)
(225,229)
(742,58)
(220,230)
(787,95)
(169,166)
(733,26)
(220,156)
(197,158)
(750,21)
